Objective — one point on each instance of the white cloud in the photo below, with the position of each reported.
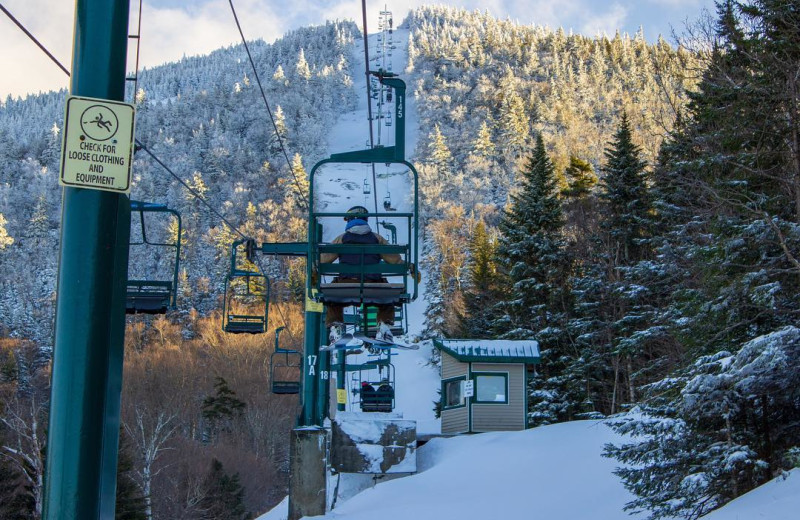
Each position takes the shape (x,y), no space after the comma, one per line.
(174,28)
(607,22)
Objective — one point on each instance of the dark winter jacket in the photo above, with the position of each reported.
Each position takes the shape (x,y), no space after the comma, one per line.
(359,232)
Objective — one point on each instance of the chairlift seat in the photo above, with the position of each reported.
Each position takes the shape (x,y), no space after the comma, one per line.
(243,324)
(148,297)
(285,387)
(377,400)
(368,292)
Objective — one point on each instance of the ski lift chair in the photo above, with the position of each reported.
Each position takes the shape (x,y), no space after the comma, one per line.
(151,296)
(376,390)
(282,363)
(246,304)
(331,282)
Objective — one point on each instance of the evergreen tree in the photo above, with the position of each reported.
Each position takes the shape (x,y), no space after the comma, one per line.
(533,259)
(730,224)
(39,223)
(224,496)
(624,189)
(614,300)
(483,145)
(439,154)
(580,178)
(302,68)
(5,239)
(532,249)
(16,502)
(222,408)
(130,502)
(481,293)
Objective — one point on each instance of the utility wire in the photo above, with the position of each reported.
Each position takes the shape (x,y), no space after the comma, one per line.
(33,38)
(369,105)
(269,111)
(191,190)
(161,163)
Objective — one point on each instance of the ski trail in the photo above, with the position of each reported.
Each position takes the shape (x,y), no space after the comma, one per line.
(339,187)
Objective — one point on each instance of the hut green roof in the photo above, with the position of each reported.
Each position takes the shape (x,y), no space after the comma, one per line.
(490,350)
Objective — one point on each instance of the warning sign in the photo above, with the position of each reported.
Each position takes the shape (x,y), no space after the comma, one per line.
(98,144)
(311,305)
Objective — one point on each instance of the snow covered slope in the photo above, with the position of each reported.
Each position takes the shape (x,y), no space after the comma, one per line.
(778,499)
(553,472)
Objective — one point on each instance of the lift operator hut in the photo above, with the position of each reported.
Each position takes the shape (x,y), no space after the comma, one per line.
(484,384)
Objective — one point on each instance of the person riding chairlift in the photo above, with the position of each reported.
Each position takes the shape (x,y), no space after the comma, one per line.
(357,231)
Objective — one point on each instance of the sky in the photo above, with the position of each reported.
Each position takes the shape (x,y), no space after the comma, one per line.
(175,28)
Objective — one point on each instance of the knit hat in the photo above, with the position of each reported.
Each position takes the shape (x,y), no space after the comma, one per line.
(354,223)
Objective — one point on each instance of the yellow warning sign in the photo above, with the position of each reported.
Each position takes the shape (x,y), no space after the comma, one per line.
(311,305)
(97,147)
(341,396)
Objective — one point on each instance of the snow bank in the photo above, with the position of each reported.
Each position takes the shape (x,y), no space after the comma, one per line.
(550,472)
(778,499)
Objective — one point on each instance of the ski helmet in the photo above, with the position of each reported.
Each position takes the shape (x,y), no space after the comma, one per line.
(356,212)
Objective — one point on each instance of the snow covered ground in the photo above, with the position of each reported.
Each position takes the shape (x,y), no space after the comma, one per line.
(555,472)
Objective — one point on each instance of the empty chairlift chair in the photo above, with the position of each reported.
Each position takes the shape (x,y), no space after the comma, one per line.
(285,367)
(154,294)
(246,305)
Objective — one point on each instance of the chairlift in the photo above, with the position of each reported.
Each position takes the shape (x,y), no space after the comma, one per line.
(365,282)
(373,386)
(285,368)
(367,188)
(246,305)
(387,205)
(154,296)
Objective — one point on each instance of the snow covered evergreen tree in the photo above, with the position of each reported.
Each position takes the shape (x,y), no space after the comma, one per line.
(534,262)
(727,197)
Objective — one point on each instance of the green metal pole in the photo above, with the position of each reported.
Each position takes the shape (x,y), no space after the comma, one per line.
(323,381)
(311,367)
(80,477)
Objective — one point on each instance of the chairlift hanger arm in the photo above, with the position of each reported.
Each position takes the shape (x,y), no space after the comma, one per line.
(149,207)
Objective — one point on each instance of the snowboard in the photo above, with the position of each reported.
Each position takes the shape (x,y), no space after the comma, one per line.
(341,344)
(378,343)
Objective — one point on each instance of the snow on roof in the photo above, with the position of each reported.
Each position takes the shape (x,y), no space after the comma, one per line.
(496,350)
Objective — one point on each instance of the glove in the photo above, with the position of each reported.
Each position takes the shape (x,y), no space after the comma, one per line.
(417,276)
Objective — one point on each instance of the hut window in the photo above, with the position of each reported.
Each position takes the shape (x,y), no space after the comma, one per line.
(491,388)
(454,393)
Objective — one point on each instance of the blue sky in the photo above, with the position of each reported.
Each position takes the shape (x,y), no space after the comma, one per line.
(174,28)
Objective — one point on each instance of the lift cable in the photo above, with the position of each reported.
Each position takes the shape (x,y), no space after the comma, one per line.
(190,189)
(161,163)
(33,38)
(269,111)
(369,104)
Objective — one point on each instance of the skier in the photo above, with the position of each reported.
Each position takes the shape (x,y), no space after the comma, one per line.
(385,393)
(368,397)
(357,231)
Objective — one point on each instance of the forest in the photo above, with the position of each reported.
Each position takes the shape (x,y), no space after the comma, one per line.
(633,206)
